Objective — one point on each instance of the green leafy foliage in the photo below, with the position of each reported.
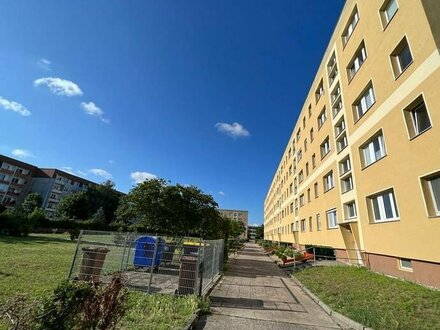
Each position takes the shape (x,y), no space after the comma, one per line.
(31,202)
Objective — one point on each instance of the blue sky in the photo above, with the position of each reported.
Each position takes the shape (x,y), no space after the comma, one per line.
(127,90)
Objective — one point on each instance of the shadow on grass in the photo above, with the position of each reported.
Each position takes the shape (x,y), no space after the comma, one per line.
(34,240)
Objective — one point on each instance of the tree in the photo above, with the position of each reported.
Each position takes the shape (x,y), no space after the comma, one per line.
(99,216)
(259,232)
(157,206)
(74,206)
(237,228)
(103,196)
(32,201)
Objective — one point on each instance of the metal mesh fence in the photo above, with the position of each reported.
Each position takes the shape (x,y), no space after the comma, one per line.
(152,263)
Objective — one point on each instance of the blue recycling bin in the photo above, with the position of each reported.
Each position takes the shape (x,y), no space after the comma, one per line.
(144,251)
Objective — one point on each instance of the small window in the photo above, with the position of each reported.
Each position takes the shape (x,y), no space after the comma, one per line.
(305,145)
(308,196)
(319,91)
(364,102)
(299,155)
(405,264)
(325,147)
(347,183)
(332,69)
(336,94)
(304,122)
(332,218)
(310,110)
(318,222)
(313,160)
(401,57)
(298,135)
(303,225)
(307,169)
(340,126)
(431,192)
(355,64)
(352,22)
(373,150)
(387,11)
(328,181)
(350,210)
(341,142)
(417,117)
(311,135)
(344,166)
(301,176)
(316,189)
(301,200)
(383,206)
(310,224)
(322,118)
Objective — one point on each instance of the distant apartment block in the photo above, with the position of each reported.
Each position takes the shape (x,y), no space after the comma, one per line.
(18,179)
(237,215)
(252,232)
(15,180)
(53,184)
(361,170)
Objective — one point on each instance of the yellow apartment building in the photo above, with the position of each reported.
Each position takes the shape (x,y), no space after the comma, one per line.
(361,170)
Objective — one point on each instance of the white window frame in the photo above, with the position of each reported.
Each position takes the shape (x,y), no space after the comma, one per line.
(361,105)
(431,191)
(325,147)
(329,181)
(332,222)
(353,22)
(344,180)
(318,221)
(357,62)
(350,206)
(386,19)
(342,166)
(342,142)
(322,117)
(405,268)
(369,153)
(381,206)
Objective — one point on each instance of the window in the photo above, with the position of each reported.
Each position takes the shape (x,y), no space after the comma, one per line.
(387,11)
(310,224)
(355,64)
(299,155)
(321,118)
(332,69)
(373,150)
(348,31)
(310,110)
(301,200)
(301,176)
(340,126)
(350,210)
(342,142)
(328,181)
(303,225)
(364,102)
(417,117)
(332,219)
(344,166)
(431,192)
(325,147)
(315,188)
(291,188)
(401,57)
(337,106)
(3,177)
(313,160)
(307,169)
(318,222)
(304,122)
(319,91)
(383,206)
(347,184)
(405,264)
(296,207)
(290,170)
(308,196)
(336,93)
(311,135)
(305,145)
(298,135)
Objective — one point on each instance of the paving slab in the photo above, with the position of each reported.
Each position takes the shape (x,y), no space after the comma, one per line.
(257,294)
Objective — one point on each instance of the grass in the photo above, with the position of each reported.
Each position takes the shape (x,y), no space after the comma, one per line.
(35,265)
(373,299)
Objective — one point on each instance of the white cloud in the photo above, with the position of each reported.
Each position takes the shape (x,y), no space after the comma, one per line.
(255,225)
(235,129)
(72,171)
(59,86)
(92,109)
(21,153)
(82,173)
(44,64)
(222,193)
(14,106)
(139,177)
(100,172)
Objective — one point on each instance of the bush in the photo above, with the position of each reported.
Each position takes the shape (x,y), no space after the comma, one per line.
(84,305)
(15,223)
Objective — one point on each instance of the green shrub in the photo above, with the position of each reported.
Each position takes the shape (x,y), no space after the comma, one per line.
(15,223)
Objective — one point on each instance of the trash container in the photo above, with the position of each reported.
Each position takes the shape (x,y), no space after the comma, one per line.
(92,262)
(191,248)
(188,275)
(144,252)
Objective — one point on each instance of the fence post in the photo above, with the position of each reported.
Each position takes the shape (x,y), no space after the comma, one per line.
(153,262)
(214,262)
(314,257)
(75,254)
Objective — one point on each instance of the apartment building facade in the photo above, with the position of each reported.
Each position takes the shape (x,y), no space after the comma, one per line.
(53,184)
(15,181)
(361,170)
(237,215)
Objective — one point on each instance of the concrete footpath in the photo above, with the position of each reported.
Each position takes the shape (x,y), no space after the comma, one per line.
(256,294)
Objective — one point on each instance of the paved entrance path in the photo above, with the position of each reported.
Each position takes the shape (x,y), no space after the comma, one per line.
(257,294)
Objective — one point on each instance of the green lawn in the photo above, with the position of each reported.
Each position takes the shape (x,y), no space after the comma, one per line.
(35,265)
(372,299)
